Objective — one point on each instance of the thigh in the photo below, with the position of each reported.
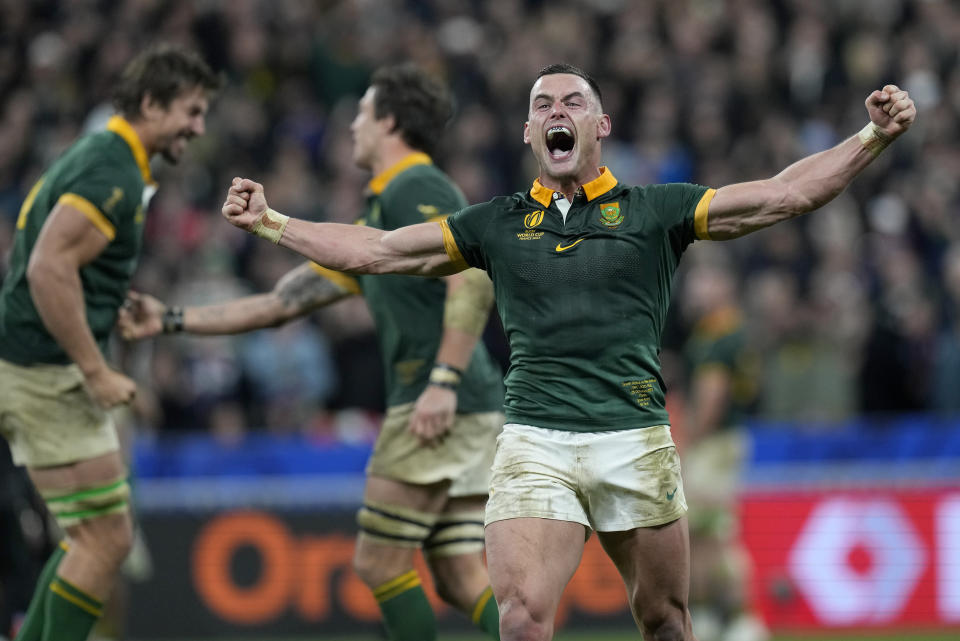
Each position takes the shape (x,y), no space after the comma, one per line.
(655,565)
(90,499)
(406,514)
(430,497)
(90,472)
(530,561)
(457,537)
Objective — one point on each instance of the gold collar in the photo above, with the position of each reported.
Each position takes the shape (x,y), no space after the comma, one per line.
(120,126)
(593,189)
(380,181)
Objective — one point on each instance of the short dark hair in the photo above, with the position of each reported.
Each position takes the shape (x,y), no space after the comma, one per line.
(164,72)
(563,67)
(420,105)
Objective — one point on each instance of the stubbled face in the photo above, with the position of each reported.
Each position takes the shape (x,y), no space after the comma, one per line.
(367,131)
(181,121)
(565,126)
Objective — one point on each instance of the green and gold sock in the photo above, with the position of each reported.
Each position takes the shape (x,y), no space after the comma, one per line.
(70,611)
(485,614)
(32,627)
(407,614)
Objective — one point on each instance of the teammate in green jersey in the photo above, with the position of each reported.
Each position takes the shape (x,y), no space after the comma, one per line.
(582,269)
(428,476)
(722,375)
(77,241)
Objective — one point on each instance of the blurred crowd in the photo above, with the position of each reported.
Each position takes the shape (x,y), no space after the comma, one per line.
(852,309)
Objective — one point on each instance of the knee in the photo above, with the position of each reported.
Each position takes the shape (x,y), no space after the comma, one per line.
(376,566)
(366,568)
(459,580)
(449,592)
(520,620)
(665,626)
(116,536)
(109,539)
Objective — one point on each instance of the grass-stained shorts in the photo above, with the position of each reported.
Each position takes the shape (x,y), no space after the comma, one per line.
(464,456)
(48,418)
(713,468)
(608,481)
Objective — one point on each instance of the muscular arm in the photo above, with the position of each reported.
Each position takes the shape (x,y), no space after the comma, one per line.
(468,301)
(299,292)
(417,250)
(806,185)
(810,183)
(67,242)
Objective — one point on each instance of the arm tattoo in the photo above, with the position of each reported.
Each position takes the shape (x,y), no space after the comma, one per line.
(304,289)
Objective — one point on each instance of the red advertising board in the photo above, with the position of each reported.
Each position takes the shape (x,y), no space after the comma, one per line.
(855,559)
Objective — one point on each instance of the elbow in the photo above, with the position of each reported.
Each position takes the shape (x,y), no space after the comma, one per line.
(372,267)
(38,272)
(799,200)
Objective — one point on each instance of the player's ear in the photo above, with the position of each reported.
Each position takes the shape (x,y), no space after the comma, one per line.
(604,126)
(390,122)
(526,133)
(149,107)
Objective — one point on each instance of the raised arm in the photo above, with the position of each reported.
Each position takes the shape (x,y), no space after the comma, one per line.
(298,292)
(417,250)
(810,183)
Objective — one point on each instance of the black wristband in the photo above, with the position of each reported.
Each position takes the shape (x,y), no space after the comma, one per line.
(172,320)
(449,368)
(443,375)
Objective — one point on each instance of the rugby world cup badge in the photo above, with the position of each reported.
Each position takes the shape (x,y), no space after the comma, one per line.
(610,215)
(530,223)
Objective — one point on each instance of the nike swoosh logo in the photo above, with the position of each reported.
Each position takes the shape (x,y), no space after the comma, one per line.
(561,248)
(670,495)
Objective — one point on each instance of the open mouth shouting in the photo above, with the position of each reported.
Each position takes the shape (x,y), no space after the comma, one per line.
(560,142)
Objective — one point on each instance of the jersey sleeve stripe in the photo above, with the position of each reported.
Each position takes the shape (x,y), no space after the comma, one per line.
(450,245)
(344,281)
(90,210)
(700,215)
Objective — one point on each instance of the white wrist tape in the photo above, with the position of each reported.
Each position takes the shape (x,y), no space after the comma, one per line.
(270,226)
(873,138)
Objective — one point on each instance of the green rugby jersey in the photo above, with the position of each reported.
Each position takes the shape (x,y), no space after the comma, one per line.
(583,303)
(106,176)
(719,341)
(408,310)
